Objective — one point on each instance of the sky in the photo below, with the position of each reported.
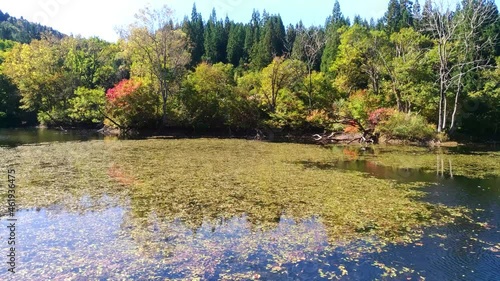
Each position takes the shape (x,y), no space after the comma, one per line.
(102,17)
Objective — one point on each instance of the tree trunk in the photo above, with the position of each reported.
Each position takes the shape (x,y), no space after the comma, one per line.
(164,115)
(164,106)
(455,107)
(310,89)
(445,111)
(440,118)
(398,97)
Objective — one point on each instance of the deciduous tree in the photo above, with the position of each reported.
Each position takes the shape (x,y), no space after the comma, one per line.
(159,52)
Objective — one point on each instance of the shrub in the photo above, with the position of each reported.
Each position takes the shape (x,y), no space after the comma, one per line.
(131,104)
(87,106)
(406,126)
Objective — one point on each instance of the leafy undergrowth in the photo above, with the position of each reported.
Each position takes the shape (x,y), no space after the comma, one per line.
(192,185)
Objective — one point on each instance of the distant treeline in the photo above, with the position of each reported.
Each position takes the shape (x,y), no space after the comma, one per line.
(21,30)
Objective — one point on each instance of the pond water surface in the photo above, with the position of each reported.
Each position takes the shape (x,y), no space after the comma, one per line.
(154,210)
(15,137)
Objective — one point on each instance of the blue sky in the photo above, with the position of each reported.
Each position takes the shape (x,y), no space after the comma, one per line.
(101,17)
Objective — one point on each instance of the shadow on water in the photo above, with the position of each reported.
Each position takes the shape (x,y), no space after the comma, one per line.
(374,170)
(17,137)
(468,249)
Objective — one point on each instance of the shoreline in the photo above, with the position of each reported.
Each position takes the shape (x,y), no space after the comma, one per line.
(289,137)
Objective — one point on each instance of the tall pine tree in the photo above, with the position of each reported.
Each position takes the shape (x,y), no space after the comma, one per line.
(194,29)
(393,17)
(236,44)
(334,22)
(272,42)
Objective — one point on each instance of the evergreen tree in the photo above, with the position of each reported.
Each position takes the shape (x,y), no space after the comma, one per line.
(358,20)
(194,29)
(337,16)
(336,21)
(272,42)
(298,50)
(252,36)
(406,14)
(417,15)
(216,39)
(236,44)
(21,30)
(210,38)
(393,17)
(426,14)
(221,36)
(291,35)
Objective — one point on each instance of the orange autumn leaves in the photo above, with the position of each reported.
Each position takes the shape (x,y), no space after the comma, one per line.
(120,176)
(132,104)
(124,88)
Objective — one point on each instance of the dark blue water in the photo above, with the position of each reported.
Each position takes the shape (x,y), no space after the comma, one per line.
(464,250)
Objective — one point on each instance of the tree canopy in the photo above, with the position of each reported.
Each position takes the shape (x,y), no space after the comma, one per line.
(419,63)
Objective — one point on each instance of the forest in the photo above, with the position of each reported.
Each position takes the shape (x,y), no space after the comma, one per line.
(422,72)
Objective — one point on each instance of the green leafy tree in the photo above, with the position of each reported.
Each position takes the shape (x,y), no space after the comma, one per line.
(409,70)
(481,117)
(207,95)
(279,92)
(36,70)
(87,106)
(10,114)
(92,62)
(9,95)
(324,94)
(158,52)
(354,65)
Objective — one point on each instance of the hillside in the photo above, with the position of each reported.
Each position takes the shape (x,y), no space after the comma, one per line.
(21,30)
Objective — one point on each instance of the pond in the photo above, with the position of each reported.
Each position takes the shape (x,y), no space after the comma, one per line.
(209,209)
(15,137)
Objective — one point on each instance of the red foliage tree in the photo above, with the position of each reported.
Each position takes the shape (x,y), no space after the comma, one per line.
(121,90)
(380,115)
